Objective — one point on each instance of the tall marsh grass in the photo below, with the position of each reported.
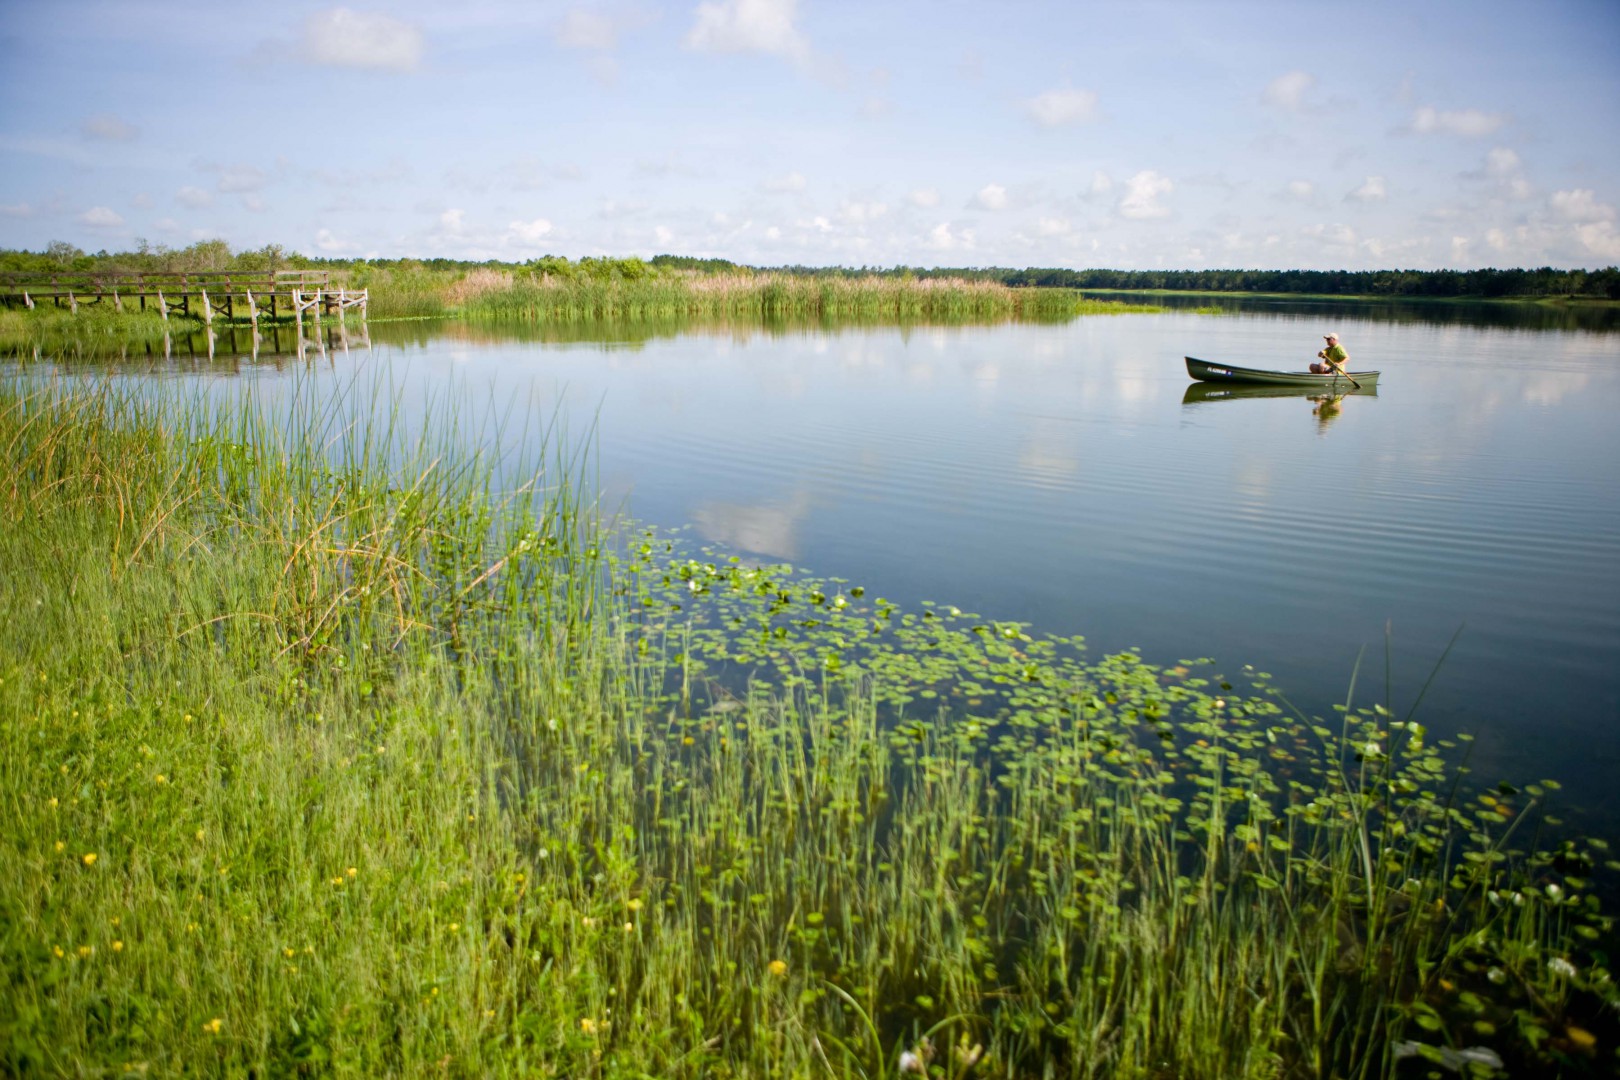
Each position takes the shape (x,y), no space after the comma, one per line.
(334,748)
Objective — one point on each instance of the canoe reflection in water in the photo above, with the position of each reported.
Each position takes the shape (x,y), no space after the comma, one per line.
(1325,405)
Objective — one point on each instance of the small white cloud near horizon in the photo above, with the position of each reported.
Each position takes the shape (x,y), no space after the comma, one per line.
(16,210)
(740,26)
(109,127)
(365,40)
(924,197)
(1056,108)
(451,221)
(325,241)
(1053,226)
(1469,123)
(1142,193)
(530,231)
(1372,189)
(943,238)
(1288,91)
(234,179)
(858,213)
(194,197)
(991,197)
(101,217)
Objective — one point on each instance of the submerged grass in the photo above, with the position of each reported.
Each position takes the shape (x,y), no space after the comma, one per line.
(331,752)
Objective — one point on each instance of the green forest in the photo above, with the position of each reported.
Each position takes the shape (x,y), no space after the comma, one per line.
(1491,283)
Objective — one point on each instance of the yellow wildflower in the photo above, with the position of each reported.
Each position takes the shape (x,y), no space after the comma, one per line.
(587,1025)
(57,949)
(52,802)
(118,946)
(213,1026)
(89,858)
(61,845)
(85,951)
(777,968)
(634,904)
(454,927)
(351,871)
(200,834)
(161,779)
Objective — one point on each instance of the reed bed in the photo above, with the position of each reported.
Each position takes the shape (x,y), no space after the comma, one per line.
(339,749)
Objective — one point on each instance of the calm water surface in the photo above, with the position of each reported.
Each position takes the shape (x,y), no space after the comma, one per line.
(1064,475)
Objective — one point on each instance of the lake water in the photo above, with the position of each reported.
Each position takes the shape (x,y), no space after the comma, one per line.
(1065,476)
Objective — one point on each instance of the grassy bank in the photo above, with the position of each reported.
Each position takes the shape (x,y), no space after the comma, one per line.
(329,753)
(559,291)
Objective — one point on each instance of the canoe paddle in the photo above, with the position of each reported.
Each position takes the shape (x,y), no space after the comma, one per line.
(1334,364)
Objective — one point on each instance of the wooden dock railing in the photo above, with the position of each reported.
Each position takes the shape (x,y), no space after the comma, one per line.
(264,292)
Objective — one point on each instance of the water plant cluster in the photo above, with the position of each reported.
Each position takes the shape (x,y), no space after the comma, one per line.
(332,748)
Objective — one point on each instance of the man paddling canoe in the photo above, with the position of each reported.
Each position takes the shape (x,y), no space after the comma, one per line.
(1333,357)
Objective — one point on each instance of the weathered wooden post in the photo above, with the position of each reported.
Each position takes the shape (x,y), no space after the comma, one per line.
(208,310)
(29,300)
(118,301)
(163,309)
(73,302)
(253,310)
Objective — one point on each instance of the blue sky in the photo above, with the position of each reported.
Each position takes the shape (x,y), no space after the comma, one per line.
(1173,134)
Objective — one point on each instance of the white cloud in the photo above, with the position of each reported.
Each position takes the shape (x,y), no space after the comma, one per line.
(253,203)
(194,197)
(1101,184)
(1471,123)
(1502,162)
(1053,226)
(1601,239)
(1581,205)
(530,231)
(735,26)
(451,221)
(943,238)
(101,217)
(367,40)
(991,197)
(1142,194)
(325,241)
(16,210)
(1066,106)
(773,233)
(141,201)
(238,178)
(663,235)
(1288,91)
(1372,189)
(924,197)
(791,182)
(1300,189)
(108,126)
(582,29)
(858,213)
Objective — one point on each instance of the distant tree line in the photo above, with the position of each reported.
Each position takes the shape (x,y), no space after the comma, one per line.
(1490,283)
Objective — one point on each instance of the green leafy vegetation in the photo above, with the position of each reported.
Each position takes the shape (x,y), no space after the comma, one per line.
(333,749)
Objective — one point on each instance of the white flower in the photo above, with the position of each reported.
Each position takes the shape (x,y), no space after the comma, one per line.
(1561,967)
(1554,892)
(911,1063)
(1372,750)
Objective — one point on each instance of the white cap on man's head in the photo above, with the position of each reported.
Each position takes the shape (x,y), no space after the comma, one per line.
(1330,337)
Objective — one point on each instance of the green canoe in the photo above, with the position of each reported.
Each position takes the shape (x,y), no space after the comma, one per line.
(1204,371)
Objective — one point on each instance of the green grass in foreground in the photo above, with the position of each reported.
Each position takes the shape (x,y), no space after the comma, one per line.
(324,755)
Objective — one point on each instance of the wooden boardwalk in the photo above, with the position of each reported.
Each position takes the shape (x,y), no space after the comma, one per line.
(210,293)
